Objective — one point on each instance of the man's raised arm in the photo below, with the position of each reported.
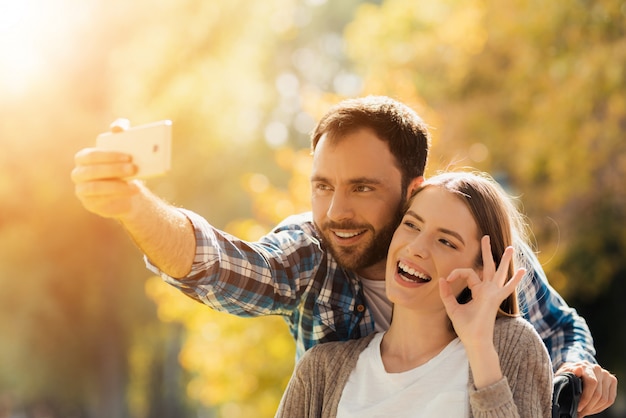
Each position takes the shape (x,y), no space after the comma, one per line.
(161,231)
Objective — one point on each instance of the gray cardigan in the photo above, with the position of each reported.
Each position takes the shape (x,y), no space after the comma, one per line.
(526,390)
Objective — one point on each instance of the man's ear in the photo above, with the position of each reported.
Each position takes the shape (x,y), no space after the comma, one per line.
(414,185)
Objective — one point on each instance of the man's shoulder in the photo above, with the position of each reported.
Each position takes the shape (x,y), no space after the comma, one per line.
(304,218)
(299,222)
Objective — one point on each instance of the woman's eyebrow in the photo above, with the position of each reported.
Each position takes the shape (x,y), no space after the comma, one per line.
(442,230)
(453,233)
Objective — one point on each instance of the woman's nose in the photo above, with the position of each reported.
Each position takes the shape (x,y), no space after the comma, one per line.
(418,247)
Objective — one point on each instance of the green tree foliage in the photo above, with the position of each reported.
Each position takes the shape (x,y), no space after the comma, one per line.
(534,93)
(79,335)
(530,91)
(540,86)
(65,296)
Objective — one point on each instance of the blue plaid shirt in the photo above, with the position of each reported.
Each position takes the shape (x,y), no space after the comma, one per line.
(288,273)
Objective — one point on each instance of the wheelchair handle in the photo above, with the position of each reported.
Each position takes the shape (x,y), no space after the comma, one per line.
(567,390)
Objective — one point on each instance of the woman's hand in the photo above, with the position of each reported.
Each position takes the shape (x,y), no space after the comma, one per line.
(474,321)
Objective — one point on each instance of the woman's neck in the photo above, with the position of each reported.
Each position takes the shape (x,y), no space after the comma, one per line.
(414,339)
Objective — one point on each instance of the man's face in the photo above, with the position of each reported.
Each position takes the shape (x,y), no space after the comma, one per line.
(357,200)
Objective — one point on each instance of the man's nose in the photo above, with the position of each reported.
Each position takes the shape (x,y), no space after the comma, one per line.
(340,207)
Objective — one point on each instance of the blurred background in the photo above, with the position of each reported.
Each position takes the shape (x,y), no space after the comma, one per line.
(533,92)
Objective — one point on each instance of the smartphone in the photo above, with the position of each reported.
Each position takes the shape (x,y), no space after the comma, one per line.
(149,145)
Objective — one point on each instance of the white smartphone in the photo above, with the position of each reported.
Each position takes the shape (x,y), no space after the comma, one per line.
(149,145)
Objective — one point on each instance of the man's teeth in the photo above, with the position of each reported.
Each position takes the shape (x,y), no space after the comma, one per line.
(417,276)
(346,234)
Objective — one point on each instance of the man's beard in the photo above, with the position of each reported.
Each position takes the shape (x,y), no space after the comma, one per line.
(360,257)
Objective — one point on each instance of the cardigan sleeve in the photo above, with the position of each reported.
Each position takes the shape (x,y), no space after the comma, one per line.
(526,388)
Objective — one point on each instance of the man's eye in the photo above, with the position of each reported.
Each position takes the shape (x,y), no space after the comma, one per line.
(363,189)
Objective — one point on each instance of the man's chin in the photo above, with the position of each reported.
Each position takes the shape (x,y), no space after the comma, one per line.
(346,259)
(367,253)
(354,260)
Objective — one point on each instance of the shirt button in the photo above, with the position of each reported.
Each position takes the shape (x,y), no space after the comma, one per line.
(360,308)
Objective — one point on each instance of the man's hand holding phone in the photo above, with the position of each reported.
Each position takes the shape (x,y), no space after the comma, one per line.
(104,175)
(149,146)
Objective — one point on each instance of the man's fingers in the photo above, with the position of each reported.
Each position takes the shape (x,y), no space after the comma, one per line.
(82,174)
(94,164)
(119,125)
(609,392)
(89,156)
(585,371)
(589,388)
(599,391)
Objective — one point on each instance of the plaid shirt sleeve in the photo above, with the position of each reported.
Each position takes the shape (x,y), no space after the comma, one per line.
(248,278)
(565,333)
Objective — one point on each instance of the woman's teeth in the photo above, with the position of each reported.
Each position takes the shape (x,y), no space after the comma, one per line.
(411,275)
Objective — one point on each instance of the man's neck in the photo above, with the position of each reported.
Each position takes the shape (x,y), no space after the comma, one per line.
(374,272)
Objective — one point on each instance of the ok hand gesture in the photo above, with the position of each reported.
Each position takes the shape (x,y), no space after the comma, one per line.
(474,321)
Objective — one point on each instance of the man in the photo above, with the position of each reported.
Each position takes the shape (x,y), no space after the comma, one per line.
(322,271)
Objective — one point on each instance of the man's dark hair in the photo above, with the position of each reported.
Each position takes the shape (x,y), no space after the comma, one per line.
(393,122)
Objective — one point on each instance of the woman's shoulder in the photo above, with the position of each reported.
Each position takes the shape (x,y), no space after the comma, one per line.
(515,325)
(336,349)
(333,357)
(516,333)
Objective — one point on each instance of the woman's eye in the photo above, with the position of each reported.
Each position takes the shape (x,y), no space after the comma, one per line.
(411,225)
(448,243)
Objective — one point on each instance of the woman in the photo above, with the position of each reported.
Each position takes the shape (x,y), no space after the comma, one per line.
(456,346)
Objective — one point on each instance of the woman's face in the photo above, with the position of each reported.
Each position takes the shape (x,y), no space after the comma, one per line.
(437,235)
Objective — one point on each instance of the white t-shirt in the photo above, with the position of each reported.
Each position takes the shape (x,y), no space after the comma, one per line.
(437,388)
